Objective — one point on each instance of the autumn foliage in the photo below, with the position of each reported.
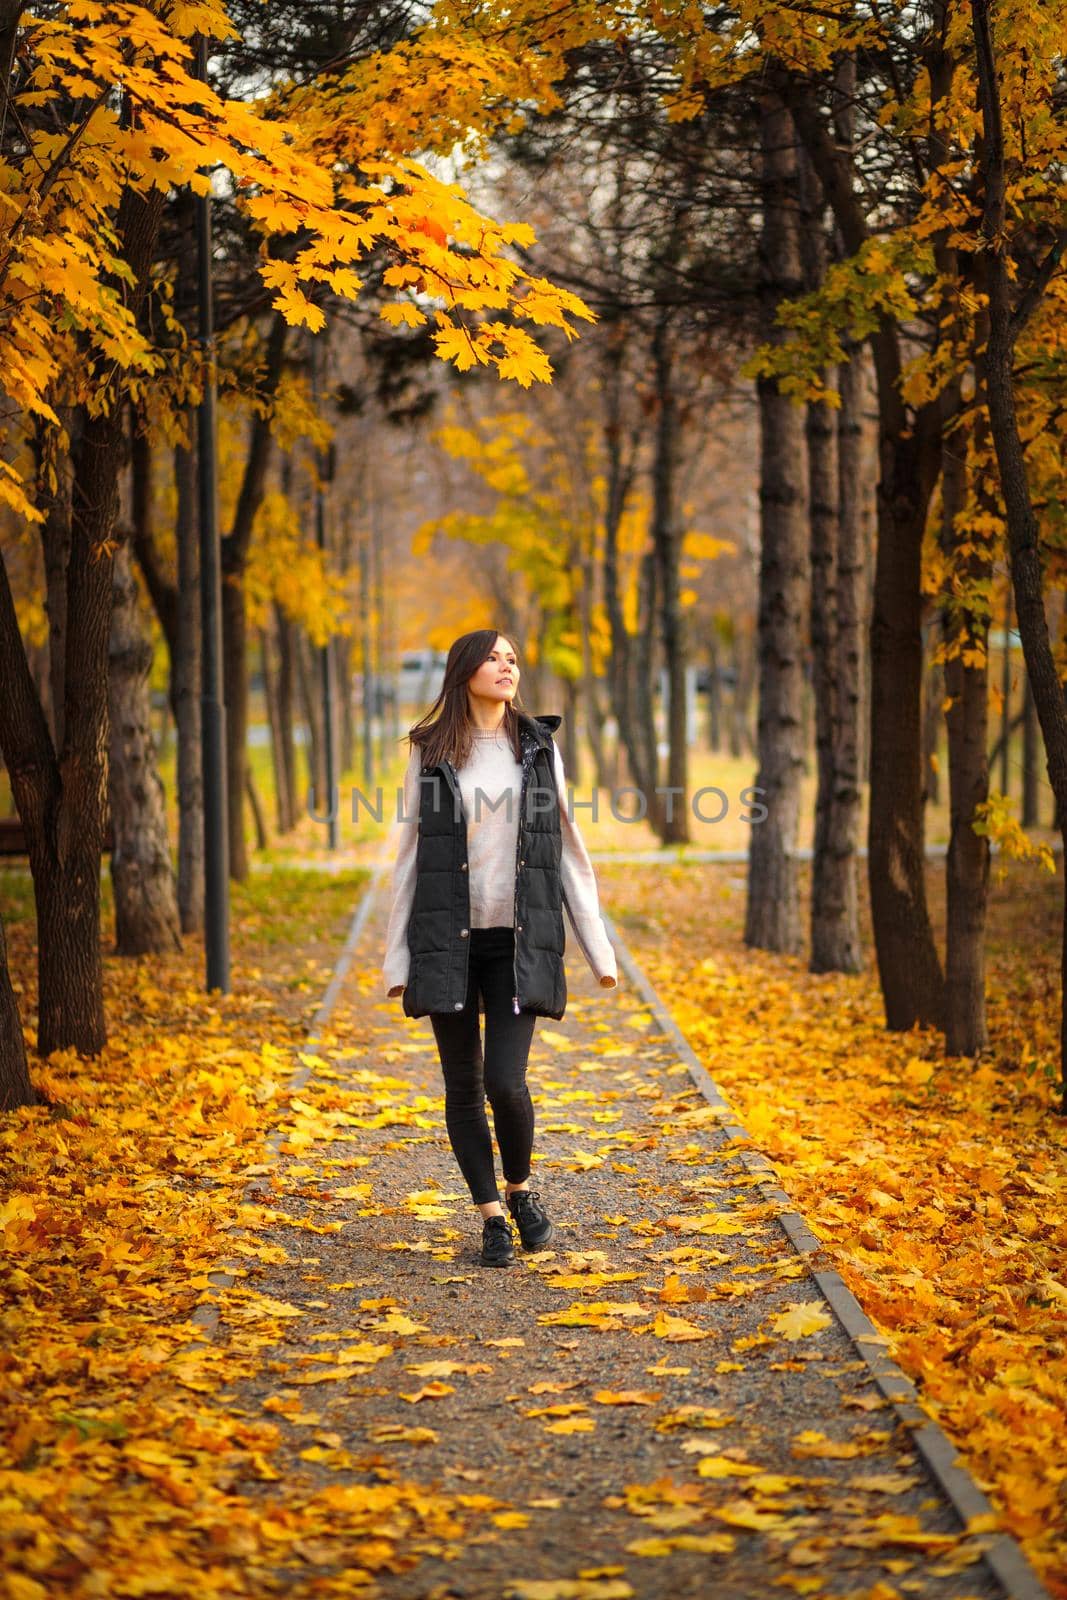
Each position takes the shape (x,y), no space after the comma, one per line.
(906,170)
(938,1185)
(323,180)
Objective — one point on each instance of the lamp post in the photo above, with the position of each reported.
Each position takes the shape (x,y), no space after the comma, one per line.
(212,704)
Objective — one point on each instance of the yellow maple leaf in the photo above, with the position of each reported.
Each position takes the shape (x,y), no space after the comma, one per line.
(813,1443)
(568,1589)
(627,1397)
(712,1544)
(801,1319)
(723,1467)
(429,1391)
(456,345)
(396,1433)
(677,1330)
(402,313)
(884,1482)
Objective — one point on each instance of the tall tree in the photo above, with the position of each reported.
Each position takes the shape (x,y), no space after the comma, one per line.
(667,534)
(965,630)
(146,904)
(909,449)
(1011,305)
(235,551)
(101,116)
(772,911)
(835,944)
(62,793)
(15,1086)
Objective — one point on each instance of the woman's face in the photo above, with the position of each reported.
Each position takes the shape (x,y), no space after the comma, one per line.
(497,679)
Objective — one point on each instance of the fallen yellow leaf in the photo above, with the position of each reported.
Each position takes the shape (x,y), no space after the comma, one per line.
(801,1319)
(429,1391)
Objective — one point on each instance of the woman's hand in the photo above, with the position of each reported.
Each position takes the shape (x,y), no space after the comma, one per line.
(398,988)
(607,981)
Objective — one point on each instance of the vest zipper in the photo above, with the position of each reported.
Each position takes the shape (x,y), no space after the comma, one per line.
(515,905)
(529,755)
(457,796)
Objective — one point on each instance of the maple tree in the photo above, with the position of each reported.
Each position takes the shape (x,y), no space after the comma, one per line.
(934,1185)
(909,280)
(1019,161)
(83,211)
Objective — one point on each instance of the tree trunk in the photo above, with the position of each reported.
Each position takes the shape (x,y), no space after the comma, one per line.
(933,694)
(821,437)
(909,968)
(966,722)
(342,676)
(643,741)
(772,913)
(1031,739)
(859,494)
(834,912)
(235,548)
(908,963)
(312,704)
(286,691)
(316,750)
(185,693)
(235,679)
(55,502)
(740,727)
(843,828)
(835,942)
(620,470)
(62,799)
(998,369)
(15,1086)
(667,543)
(342,679)
(570,751)
(65,829)
(714,691)
(146,906)
(282,807)
(258,818)
(594,716)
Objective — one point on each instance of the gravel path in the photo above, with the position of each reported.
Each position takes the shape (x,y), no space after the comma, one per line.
(621,1411)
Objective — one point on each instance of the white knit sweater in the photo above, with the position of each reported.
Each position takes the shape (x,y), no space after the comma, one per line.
(490,786)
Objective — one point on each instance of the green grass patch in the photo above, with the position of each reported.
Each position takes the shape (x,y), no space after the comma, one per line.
(282,904)
(16,896)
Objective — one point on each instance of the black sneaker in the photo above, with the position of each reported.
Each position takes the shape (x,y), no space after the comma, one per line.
(535,1228)
(498,1247)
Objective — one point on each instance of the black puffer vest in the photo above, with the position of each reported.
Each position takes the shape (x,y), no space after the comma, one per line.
(438,931)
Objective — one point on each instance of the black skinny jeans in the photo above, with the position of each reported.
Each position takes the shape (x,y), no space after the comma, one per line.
(501,1075)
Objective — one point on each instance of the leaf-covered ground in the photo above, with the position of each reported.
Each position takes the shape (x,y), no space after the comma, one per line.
(674,1366)
(115,1203)
(659,1405)
(938,1185)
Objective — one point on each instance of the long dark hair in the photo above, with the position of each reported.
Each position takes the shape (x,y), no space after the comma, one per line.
(445,732)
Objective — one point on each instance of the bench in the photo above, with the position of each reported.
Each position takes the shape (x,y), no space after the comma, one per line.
(13,838)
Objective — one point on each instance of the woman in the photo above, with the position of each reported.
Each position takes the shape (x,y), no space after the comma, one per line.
(478,894)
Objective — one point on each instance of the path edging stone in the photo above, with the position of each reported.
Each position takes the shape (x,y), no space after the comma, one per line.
(1004,1556)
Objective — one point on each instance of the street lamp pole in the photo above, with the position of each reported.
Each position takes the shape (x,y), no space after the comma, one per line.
(212,704)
